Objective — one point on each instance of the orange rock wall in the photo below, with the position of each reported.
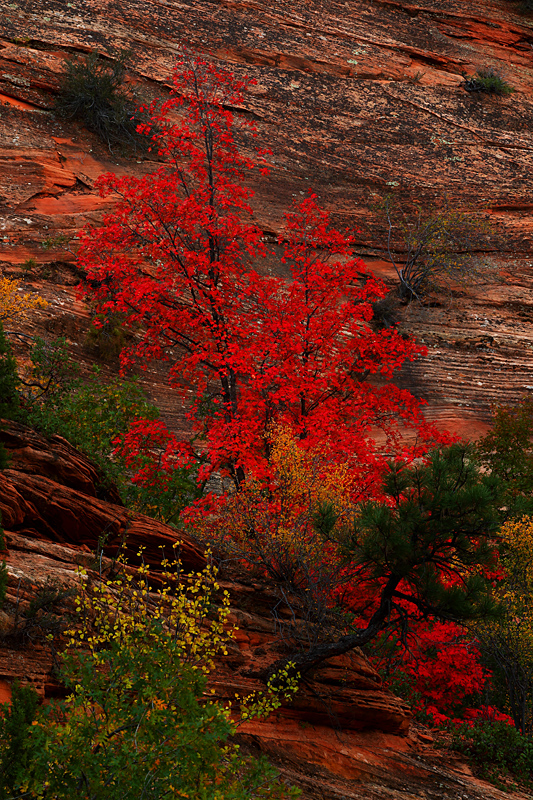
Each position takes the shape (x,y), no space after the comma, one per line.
(355,99)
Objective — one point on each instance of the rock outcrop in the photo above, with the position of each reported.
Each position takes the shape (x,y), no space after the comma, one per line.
(355,99)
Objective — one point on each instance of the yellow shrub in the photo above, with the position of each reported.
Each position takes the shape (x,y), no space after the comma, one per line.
(15,304)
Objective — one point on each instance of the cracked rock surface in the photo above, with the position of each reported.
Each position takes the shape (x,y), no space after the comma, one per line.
(355,100)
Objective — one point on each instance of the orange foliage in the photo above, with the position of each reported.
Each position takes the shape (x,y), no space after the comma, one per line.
(15,304)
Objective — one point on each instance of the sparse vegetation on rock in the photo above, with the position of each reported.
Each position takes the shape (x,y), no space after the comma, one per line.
(93,92)
(523,6)
(431,250)
(489,80)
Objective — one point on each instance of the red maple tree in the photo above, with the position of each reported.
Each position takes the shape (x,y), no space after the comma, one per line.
(178,258)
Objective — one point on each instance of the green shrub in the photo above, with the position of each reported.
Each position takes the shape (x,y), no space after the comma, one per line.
(495,748)
(15,741)
(137,721)
(386,312)
(107,341)
(9,382)
(92,92)
(92,417)
(487,79)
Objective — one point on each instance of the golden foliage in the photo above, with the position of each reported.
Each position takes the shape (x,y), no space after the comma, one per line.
(282,512)
(517,557)
(190,609)
(517,589)
(290,529)
(306,478)
(15,304)
(509,640)
(118,608)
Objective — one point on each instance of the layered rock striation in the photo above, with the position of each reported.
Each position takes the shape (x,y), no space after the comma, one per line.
(356,100)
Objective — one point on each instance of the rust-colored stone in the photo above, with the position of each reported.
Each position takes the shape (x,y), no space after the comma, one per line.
(370,100)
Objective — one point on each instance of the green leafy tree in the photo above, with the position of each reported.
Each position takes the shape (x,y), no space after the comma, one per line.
(15,751)
(508,642)
(508,453)
(138,721)
(9,381)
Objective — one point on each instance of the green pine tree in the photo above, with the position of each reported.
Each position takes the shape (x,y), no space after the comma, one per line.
(15,743)
(9,398)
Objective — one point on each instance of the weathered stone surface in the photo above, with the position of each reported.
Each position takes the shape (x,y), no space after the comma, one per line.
(55,458)
(370,99)
(65,507)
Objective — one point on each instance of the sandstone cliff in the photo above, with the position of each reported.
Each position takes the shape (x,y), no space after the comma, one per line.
(354,99)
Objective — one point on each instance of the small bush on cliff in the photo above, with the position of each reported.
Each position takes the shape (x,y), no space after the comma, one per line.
(523,6)
(50,375)
(496,748)
(106,340)
(487,79)
(92,91)
(431,250)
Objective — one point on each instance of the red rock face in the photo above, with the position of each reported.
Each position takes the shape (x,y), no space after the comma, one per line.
(355,100)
